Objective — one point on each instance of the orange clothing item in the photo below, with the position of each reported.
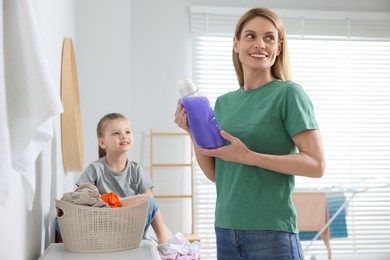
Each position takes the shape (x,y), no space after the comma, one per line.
(112,200)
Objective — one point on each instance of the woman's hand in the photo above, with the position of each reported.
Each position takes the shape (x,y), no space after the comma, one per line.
(206,163)
(236,151)
(181,117)
(309,161)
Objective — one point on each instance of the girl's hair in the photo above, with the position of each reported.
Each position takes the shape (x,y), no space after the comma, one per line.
(281,68)
(100,128)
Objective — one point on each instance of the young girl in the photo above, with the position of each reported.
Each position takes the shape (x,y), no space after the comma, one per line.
(272,136)
(113,172)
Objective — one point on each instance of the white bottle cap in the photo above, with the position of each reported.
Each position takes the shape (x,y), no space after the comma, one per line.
(186,87)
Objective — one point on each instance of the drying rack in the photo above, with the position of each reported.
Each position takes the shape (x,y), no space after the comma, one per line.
(375,184)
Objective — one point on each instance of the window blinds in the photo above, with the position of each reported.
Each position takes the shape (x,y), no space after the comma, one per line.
(342,60)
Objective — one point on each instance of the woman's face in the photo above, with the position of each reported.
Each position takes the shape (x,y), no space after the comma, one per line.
(259,44)
(117,136)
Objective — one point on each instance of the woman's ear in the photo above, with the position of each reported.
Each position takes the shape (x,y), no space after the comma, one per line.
(235,45)
(280,47)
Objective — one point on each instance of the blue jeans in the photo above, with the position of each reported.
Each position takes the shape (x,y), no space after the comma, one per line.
(153,208)
(257,245)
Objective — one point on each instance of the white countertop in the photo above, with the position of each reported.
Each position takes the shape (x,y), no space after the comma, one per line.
(146,251)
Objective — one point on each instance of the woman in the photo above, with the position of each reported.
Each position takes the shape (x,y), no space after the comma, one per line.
(272,136)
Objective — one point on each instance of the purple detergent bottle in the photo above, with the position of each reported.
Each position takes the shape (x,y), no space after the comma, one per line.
(200,115)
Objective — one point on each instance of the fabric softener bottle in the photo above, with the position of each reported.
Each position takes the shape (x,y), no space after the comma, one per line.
(200,115)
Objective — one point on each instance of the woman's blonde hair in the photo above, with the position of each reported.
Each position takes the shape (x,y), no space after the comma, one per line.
(100,128)
(281,68)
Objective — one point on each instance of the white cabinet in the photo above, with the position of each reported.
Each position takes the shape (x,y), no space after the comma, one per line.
(146,251)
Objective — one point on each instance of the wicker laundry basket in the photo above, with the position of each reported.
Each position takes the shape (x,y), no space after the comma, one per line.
(91,229)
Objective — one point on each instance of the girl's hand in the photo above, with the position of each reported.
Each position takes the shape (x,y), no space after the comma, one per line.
(236,151)
(181,117)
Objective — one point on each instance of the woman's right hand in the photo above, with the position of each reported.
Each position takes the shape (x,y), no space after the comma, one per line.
(181,117)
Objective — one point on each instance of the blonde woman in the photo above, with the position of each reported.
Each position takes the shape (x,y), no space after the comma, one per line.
(272,136)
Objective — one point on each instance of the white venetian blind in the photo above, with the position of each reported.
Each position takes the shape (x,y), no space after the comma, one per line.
(342,60)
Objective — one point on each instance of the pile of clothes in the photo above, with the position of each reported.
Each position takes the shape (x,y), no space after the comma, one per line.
(179,248)
(88,194)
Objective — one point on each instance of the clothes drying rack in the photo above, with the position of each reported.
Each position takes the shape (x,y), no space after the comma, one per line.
(375,184)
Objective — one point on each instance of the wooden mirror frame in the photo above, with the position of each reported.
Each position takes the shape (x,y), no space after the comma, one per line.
(71,130)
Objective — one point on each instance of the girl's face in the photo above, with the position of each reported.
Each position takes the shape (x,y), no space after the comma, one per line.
(117,137)
(259,44)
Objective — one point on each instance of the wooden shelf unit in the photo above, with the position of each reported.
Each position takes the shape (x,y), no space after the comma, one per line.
(191,237)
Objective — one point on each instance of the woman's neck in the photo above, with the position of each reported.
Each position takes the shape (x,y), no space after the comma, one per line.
(256,79)
(117,163)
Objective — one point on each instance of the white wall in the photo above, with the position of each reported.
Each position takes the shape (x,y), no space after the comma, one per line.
(129,56)
(103,59)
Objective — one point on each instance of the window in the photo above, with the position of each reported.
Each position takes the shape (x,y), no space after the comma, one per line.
(342,60)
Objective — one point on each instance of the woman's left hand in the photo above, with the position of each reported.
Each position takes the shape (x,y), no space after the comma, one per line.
(236,151)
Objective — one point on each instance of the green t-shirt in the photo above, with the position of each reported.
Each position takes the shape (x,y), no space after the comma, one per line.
(265,119)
